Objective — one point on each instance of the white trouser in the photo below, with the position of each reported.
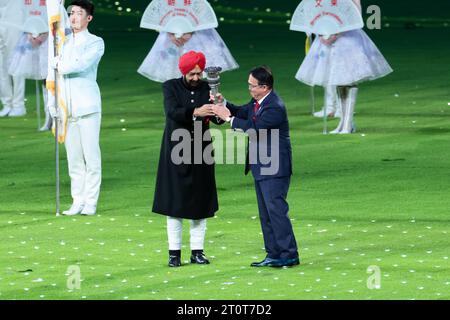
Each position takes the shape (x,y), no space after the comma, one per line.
(84,158)
(175,232)
(12,89)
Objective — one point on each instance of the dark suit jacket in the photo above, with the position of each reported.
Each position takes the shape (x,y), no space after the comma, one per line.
(271,115)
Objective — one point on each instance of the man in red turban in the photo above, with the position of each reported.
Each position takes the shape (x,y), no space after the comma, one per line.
(191,65)
(190,60)
(185,183)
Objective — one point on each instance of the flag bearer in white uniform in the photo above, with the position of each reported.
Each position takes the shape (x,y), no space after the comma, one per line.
(78,64)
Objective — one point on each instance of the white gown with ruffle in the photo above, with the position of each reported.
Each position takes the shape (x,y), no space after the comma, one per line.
(161,64)
(28,62)
(351,59)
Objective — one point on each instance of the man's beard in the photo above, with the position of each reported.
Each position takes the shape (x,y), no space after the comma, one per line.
(193,83)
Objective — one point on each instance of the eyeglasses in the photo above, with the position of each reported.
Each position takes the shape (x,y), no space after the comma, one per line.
(253,86)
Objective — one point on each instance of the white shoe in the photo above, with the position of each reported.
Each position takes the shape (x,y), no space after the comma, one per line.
(5,111)
(330,112)
(74,210)
(17,112)
(89,210)
(335,131)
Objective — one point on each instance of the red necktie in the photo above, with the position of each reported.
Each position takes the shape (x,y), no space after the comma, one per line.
(255,109)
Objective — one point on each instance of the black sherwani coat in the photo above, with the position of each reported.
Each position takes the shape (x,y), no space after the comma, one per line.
(188,189)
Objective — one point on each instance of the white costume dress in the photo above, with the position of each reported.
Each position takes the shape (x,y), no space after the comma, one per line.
(351,59)
(78,64)
(29,62)
(12,88)
(161,64)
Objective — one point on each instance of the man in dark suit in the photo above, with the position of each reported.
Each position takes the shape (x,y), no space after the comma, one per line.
(265,120)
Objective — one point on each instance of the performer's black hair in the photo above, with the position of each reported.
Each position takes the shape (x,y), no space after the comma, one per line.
(264,76)
(86,5)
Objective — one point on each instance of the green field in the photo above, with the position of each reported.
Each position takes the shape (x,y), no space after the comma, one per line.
(379,197)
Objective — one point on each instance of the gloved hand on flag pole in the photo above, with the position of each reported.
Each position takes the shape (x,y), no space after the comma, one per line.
(53,62)
(55,113)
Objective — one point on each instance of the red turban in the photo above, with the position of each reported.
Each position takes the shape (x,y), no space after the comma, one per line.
(190,60)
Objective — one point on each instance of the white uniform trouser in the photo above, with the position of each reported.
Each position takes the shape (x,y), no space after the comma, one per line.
(175,230)
(12,89)
(84,158)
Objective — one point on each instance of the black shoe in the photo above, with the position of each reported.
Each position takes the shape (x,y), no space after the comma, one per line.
(174,261)
(199,258)
(267,262)
(292,262)
(276,263)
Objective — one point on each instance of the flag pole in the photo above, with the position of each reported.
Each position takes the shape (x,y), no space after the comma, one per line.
(55,119)
(38,104)
(308,43)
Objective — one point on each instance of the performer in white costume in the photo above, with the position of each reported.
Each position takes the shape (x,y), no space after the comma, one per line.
(30,56)
(12,88)
(343,60)
(78,64)
(169,47)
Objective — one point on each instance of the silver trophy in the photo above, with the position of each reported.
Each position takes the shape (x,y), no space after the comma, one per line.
(213,79)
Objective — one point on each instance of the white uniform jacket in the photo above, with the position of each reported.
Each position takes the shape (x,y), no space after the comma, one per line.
(78,64)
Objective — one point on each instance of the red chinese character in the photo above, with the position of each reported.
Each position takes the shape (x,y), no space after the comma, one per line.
(334,3)
(318,3)
(42,3)
(28,2)
(171,2)
(187,2)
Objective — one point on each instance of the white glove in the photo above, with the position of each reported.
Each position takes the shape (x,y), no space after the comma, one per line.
(54,113)
(54,63)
